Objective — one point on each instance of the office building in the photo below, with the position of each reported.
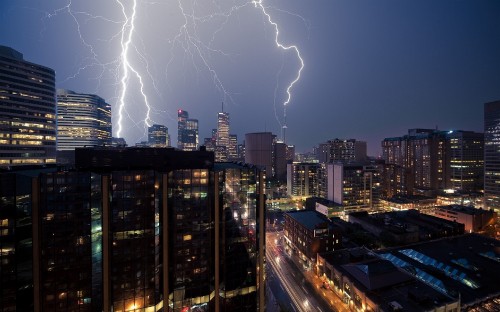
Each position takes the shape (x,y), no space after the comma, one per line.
(158,136)
(339,150)
(104,240)
(27,111)
(82,120)
(187,132)
(222,136)
(492,155)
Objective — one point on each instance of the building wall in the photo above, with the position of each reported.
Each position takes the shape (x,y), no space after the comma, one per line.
(82,120)
(176,231)
(492,155)
(27,111)
(259,151)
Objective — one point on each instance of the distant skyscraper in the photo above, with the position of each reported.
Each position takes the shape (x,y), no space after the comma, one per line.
(232,152)
(82,120)
(27,111)
(222,150)
(492,155)
(187,132)
(158,136)
(182,117)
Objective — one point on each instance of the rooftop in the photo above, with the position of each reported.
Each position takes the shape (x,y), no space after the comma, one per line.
(468,265)
(308,218)
(464,209)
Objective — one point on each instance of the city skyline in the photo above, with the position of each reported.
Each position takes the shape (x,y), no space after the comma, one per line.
(371,70)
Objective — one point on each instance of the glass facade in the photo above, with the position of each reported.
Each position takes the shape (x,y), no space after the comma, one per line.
(187,132)
(70,260)
(134,231)
(191,243)
(240,254)
(16,241)
(170,232)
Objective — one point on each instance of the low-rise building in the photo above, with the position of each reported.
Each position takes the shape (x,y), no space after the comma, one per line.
(308,233)
(405,227)
(418,202)
(367,282)
(473,219)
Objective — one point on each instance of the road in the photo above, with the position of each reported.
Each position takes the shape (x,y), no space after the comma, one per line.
(287,281)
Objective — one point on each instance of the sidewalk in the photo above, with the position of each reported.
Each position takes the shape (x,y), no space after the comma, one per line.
(316,282)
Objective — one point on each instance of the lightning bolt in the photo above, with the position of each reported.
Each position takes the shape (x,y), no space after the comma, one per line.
(258,4)
(126,39)
(131,65)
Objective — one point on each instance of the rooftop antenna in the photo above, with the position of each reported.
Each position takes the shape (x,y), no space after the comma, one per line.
(222,106)
(284,126)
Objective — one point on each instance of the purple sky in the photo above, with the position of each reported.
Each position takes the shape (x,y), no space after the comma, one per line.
(373,69)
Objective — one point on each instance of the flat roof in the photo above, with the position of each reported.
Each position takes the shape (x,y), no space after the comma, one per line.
(383,282)
(309,218)
(464,209)
(468,265)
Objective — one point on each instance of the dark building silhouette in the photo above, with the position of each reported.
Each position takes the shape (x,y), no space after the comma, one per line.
(148,229)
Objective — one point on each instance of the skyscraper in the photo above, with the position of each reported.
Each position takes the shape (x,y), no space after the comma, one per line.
(187,132)
(182,117)
(27,111)
(222,149)
(82,120)
(158,136)
(492,155)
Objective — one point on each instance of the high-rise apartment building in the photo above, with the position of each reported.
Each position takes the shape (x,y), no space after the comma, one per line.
(492,155)
(82,120)
(158,136)
(135,229)
(302,179)
(27,111)
(354,186)
(437,160)
(342,150)
(187,132)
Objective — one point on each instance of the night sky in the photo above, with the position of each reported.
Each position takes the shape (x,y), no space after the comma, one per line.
(373,69)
